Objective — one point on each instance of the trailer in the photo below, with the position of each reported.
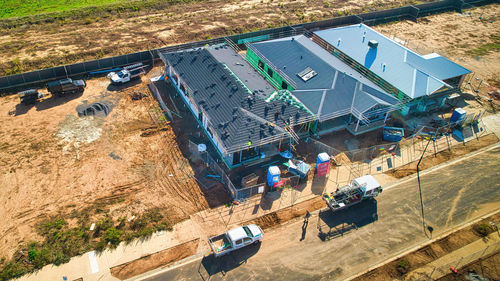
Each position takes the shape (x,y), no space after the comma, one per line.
(66,86)
(29,97)
(234,239)
(127,74)
(359,189)
(298,167)
(393,134)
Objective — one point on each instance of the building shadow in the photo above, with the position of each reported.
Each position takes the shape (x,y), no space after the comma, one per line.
(211,265)
(370,57)
(186,129)
(332,225)
(56,100)
(318,184)
(460,101)
(268,199)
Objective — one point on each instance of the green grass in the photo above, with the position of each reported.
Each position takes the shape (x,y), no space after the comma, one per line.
(20,8)
(62,9)
(60,242)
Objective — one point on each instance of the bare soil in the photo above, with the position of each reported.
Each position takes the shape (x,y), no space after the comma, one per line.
(33,45)
(289,213)
(53,163)
(443,156)
(428,254)
(156,260)
(459,38)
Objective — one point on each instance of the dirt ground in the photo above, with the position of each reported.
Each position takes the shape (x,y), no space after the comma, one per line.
(54,163)
(443,156)
(428,254)
(25,47)
(458,37)
(153,261)
(286,214)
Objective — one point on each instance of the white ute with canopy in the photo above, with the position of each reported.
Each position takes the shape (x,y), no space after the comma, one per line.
(234,239)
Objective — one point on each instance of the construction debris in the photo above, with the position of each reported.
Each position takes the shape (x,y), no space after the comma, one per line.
(100,109)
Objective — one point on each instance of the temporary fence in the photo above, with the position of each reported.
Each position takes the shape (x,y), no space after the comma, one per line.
(238,194)
(156,94)
(9,84)
(212,165)
(384,157)
(247,192)
(435,272)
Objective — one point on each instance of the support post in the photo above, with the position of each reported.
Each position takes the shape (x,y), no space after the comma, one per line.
(420,187)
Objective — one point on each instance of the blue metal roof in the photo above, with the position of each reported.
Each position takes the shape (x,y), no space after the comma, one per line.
(411,73)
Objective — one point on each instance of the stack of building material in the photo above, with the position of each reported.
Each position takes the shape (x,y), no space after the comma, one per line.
(249,180)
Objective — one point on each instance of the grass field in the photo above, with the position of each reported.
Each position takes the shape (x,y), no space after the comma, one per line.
(17,8)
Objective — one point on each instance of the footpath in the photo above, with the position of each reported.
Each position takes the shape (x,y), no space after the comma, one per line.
(96,266)
(457,259)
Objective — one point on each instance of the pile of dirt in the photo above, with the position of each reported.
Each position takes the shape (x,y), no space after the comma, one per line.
(443,156)
(427,254)
(156,260)
(494,94)
(267,221)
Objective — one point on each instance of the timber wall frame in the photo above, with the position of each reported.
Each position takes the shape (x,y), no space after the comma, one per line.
(37,79)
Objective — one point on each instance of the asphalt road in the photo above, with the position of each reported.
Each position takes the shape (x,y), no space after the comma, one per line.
(336,246)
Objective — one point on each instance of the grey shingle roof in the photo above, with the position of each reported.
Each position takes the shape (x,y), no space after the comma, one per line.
(310,98)
(240,68)
(238,115)
(291,57)
(347,96)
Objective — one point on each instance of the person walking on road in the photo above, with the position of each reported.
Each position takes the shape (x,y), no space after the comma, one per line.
(304,226)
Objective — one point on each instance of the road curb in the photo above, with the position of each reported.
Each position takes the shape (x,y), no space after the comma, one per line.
(199,256)
(443,165)
(414,248)
(167,268)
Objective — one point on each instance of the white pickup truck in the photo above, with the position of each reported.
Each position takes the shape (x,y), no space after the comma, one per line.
(127,74)
(235,239)
(359,189)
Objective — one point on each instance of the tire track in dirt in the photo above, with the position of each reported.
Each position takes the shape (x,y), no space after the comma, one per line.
(454,206)
(120,191)
(181,180)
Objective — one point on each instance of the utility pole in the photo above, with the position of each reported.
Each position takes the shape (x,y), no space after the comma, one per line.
(420,188)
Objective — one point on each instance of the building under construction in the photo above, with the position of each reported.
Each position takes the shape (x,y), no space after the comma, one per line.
(421,82)
(227,97)
(279,91)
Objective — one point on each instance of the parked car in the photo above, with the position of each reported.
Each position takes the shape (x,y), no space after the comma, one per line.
(66,86)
